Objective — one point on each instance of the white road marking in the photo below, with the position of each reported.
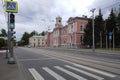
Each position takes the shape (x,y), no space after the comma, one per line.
(35,74)
(84,72)
(70,73)
(55,75)
(95,70)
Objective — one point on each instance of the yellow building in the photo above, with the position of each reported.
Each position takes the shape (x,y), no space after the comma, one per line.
(37,41)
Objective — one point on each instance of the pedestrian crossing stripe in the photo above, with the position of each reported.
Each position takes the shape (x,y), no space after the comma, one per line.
(70,73)
(57,76)
(35,74)
(76,67)
(84,72)
(95,70)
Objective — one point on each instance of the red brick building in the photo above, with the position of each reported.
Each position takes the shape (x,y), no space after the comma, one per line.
(70,36)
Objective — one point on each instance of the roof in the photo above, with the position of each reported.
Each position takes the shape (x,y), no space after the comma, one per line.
(37,37)
(81,18)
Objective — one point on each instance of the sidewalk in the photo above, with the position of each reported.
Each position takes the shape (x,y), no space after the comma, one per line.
(8,71)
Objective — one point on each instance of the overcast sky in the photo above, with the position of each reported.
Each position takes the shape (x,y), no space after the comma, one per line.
(39,14)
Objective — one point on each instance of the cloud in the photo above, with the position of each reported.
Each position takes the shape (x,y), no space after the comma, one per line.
(39,14)
(106,6)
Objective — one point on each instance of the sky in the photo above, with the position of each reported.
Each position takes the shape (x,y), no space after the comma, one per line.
(39,14)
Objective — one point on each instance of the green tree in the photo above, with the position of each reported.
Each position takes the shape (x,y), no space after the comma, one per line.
(88,33)
(33,33)
(2,42)
(99,27)
(43,33)
(111,24)
(25,38)
(3,33)
(117,36)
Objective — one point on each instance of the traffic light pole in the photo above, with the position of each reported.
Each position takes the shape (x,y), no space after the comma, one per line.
(11,59)
(7,51)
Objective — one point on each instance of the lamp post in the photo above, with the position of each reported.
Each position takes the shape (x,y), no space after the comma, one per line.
(93,46)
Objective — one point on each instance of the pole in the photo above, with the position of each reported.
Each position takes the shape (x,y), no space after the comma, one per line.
(7,51)
(110,44)
(100,39)
(11,59)
(93,47)
(113,39)
(106,41)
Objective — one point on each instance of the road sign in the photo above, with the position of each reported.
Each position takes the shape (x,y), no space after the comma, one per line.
(110,33)
(11,6)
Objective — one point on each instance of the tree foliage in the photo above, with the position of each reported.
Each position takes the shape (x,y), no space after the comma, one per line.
(25,38)
(3,33)
(111,22)
(99,27)
(88,34)
(2,42)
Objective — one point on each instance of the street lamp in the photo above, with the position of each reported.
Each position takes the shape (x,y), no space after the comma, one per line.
(93,46)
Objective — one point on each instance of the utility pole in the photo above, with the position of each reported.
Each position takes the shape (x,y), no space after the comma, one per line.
(100,39)
(93,46)
(113,39)
(106,41)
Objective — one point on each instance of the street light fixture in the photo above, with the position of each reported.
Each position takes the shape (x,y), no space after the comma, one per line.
(93,46)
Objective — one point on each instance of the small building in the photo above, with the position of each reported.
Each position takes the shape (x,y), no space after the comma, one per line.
(37,41)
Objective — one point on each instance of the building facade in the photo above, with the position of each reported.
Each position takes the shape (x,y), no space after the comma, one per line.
(37,41)
(70,36)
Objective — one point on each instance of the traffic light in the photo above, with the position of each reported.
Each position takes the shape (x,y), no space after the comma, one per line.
(12,21)
(12,35)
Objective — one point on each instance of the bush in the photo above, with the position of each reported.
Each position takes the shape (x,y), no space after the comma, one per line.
(2,43)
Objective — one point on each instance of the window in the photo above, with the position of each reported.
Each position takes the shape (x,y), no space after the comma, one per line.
(81,28)
(81,38)
(71,28)
(59,20)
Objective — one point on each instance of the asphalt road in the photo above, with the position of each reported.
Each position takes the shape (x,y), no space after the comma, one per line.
(61,64)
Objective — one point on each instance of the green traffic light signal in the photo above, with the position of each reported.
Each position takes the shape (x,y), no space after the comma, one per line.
(12,26)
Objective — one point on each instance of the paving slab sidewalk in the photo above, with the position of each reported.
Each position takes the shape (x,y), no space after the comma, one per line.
(8,71)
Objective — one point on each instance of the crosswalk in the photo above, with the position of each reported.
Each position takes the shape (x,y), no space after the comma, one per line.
(71,70)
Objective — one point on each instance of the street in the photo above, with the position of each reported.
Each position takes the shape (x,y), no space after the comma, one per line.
(66,64)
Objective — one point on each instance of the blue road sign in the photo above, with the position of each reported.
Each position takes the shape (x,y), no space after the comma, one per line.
(110,37)
(11,6)
(110,33)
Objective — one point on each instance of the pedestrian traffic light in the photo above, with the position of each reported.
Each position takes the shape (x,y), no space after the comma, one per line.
(12,21)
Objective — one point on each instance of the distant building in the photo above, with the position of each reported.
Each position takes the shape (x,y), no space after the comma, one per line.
(70,36)
(37,41)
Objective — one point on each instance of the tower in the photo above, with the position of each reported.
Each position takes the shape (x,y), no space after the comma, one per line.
(58,22)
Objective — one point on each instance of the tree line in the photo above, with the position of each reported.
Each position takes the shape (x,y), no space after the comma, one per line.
(3,35)
(102,29)
(25,37)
